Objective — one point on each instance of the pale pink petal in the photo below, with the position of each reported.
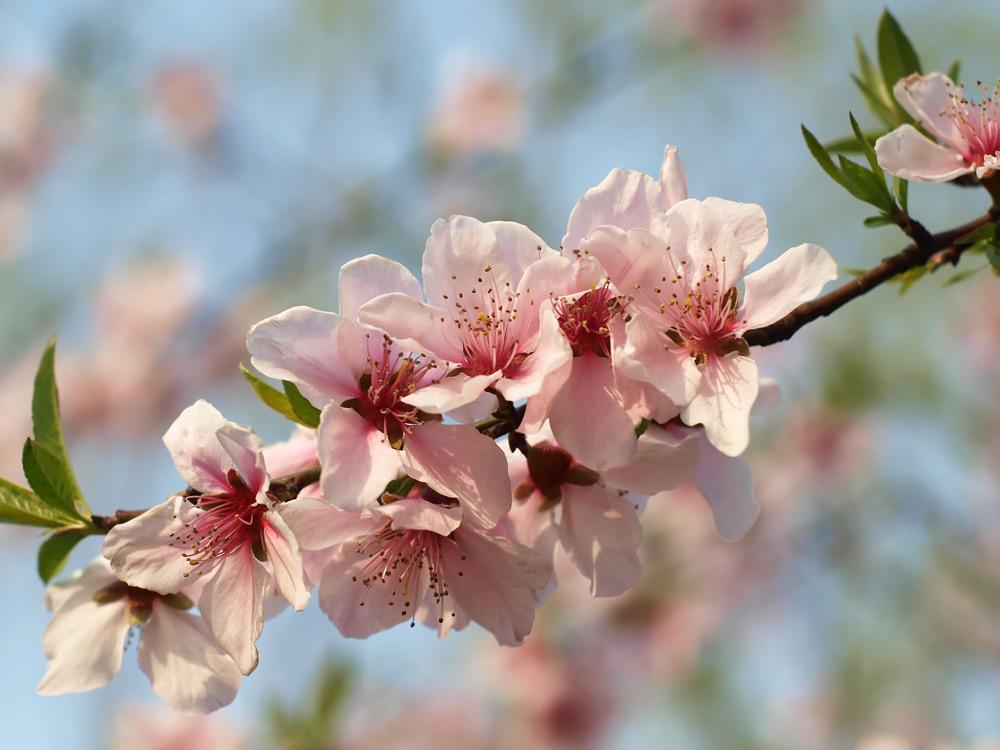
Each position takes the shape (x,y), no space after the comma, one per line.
(725,397)
(318,526)
(536,411)
(532,526)
(232,603)
(601,534)
(551,353)
(499,584)
(457,254)
(365,278)
(794,277)
(246,451)
(588,418)
(416,325)
(459,462)
(991,163)
(672,177)
(292,456)
(357,460)
(927,99)
(84,641)
(451,392)
(185,666)
(415,513)
(286,562)
(549,277)
(909,154)
(193,443)
(645,401)
(646,357)
(728,487)
(748,223)
(147,552)
(358,605)
(521,247)
(624,199)
(634,261)
(320,352)
(662,461)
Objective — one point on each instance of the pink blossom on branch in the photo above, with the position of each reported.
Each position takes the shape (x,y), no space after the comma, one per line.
(230,534)
(965,134)
(93,612)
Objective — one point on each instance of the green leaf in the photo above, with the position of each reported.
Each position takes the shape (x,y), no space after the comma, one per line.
(896,55)
(54,551)
(21,506)
(640,429)
(879,221)
(46,425)
(270,395)
(866,147)
(955,70)
(823,158)
(854,271)
(902,189)
(850,144)
(865,185)
(49,478)
(885,112)
(307,414)
(909,278)
(993,256)
(963,275)
(984,233)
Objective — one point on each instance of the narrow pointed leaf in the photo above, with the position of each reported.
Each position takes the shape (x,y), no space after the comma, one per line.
(307,414)
(54,551)
(270,395)
(823,158)
(896,55)
(955,70)
(19,505)
(49,478)
(866,147)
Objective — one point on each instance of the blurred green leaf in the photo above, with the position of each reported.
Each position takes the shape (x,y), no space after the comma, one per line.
(879,221)
(993,256)
(270,395)
(985,233)
(909,278)
(963,275)
(54,551)
(19,505)
(896,56)
(306,413)
(47,429)
(854,271)
(955,70)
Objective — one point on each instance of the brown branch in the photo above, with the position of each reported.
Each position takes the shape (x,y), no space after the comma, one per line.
(919,253)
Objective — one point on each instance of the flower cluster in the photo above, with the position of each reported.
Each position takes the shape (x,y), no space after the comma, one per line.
(616,365)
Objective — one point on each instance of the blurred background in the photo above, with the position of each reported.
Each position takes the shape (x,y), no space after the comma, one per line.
(172,172)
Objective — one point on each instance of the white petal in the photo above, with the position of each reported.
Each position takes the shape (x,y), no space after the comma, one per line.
(320,352)
(147,552)
(365,278)
(748,222)
(456,255)
(185,666)
(909,154)
(794,277)
(232,603)
(357,460)
(727,485)
(459,462)
(95,576)
(725,397)
(662,461)
(286,562)
(672,177)
(414,513)
(193,443)
(601,534)
(521,247)
(927,99)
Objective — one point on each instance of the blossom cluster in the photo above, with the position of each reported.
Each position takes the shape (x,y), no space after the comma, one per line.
(616,365)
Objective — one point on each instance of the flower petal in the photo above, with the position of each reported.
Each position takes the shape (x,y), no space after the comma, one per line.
(232,603)
(415,513)
(590,398)
(365,278)
(550,354)
(459,462)
(246,452)
(725,397)
(357,460)
(286,562)
(601,534)
(451,392)
(294,455)
(318,525)
(415,325)
(320,352)
(193,443)
(185,666)
(909,154)
(356,603)
(794,277)
(727,485)
(646,357)
(748,222)
(662,461)
(927,99)
(147,551)
(672,177)
(624,199)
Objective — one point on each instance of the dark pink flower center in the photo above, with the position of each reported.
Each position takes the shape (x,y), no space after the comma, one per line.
(139,602)
(978,123)
(549,468)
(488,326)
(585,320)
(226,522)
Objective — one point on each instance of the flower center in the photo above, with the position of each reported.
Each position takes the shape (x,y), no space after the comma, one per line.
(392,375)
(978,123)
(549,468)
(586,319)
(139,601)
(487,321)
(408,563)
(226,523)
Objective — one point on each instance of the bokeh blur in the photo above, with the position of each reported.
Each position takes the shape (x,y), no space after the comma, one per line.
(171,172)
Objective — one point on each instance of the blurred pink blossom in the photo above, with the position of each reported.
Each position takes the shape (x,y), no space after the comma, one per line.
(139,727)
(480,110)
(188,99)
(733,26)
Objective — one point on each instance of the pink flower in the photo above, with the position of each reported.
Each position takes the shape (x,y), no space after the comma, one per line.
(685,336)
(482,110)
(591,515)
(967,133)
(229,533)
(138,727)
(93,612)
(373,393)
(415,559)
(486,285)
